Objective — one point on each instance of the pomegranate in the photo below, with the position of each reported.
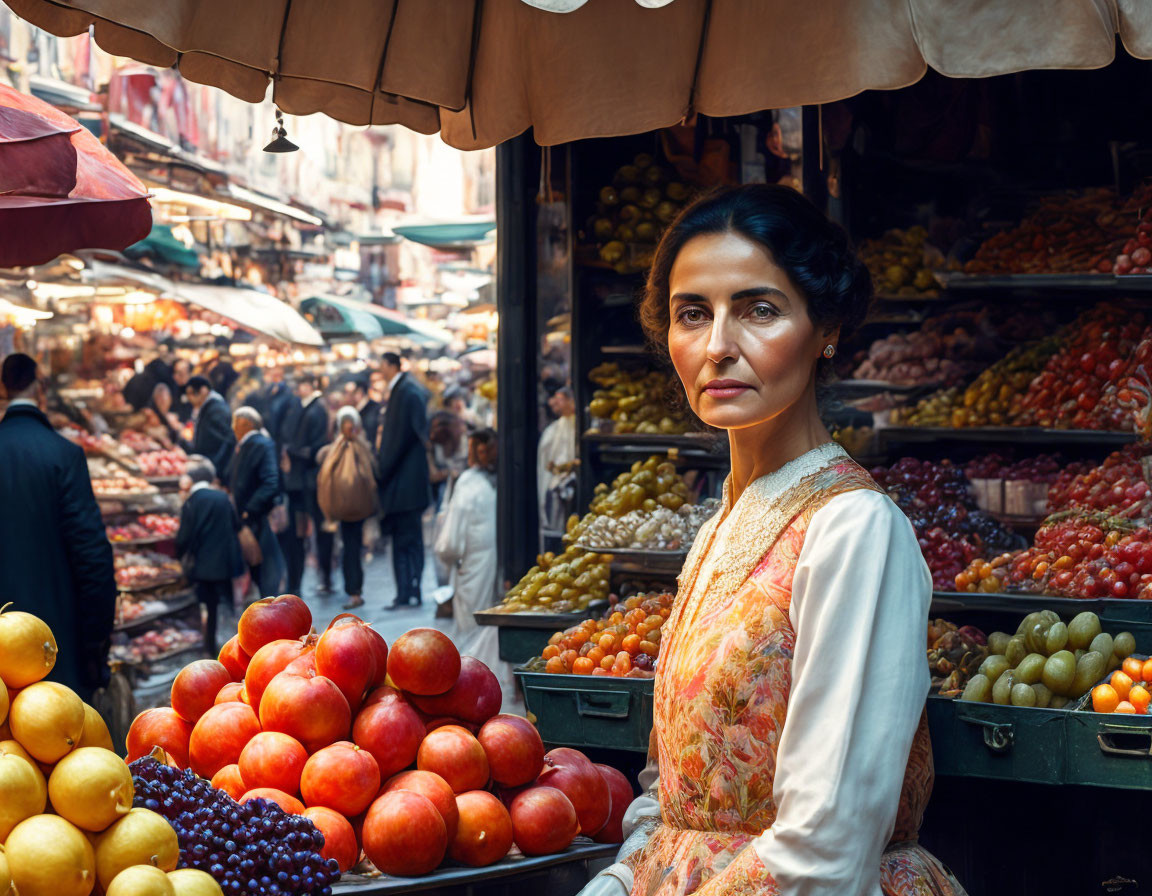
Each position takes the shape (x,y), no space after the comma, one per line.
(220,736)
(162,728)
(273,619)
(423,661)
(346,654)
(312,710)
(514,749)
(390,730)
(457,757)
(233,658)
(196,687)
(342,777)
(621,798)
(475,697)
(543,821)
(272,759)
(571,772)
(339,838)
(404,835)
(434,788)
(484,834)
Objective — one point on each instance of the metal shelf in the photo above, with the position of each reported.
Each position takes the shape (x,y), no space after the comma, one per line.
(188,599)
(1017,435)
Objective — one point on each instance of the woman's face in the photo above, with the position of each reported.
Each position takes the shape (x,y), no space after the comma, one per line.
(740,336)
(348,428)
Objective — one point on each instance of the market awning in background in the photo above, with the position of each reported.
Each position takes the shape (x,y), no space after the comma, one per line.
(605,68)
(251,309)
(448,235)
(340,319)
(60,189)
(162,246)
(393,323)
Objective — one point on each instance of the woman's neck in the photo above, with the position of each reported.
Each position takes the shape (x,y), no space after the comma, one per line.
(764,448)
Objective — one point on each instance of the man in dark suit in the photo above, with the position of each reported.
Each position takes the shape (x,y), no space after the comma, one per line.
(305,433)
(181,373)
(356,395)
(207,542)
(55,557)
(274,400)
(405,488)
(212,433)
(255,487)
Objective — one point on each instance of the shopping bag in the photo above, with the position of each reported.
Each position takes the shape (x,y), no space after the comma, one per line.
(250,547)
(346,483)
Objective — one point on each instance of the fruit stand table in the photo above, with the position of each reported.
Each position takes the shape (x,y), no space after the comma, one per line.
(562,874)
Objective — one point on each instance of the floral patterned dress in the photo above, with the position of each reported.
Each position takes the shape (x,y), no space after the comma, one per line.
(722,705)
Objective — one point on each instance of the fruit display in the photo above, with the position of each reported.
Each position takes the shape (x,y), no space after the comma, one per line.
(633,211)
(1117,485)
(648,484)
(154,644)
(858,441)
(340,745)
(656,530)
(1066,234)
(139,442)
(162,464)
(625,641)
(67,820)
(1135,255)
(122,485)
(145,526)
(560,583)
(1047,663)
(951,530)
(144,569)
(1079,385)
(634,401)
(1016,488)
(128,610)
(955,653)
(944,352)
(902,263)
(1127,690)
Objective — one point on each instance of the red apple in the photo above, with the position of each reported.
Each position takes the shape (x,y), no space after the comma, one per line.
(621,794)
(268,662)
(272,759)
(423,661)
(380,648)
(571,772)
(220,736)
(345,653)
(163,728)
(404,835)
(342,777)
(514,749)
(230,693)
(432,787)
(457,757)
(340,841)
(273,619)
(234,659)
(475,697)
(196,686)
(543,821)
(285,801)
(230,781)
(391,731)
(484,834)
(312,710)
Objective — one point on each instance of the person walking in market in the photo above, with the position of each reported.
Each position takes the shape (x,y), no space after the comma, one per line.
(356,396)
(305,433)
(405,489)
(208,542)
(212,435)
(806,594)
(346,492)
(255,487)
(55,558)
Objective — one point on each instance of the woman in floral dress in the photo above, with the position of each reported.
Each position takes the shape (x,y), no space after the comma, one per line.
(790,749)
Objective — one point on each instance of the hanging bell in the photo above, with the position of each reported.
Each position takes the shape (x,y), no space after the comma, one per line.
(280,141)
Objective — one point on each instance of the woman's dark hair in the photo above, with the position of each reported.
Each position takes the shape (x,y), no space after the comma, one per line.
(813,251)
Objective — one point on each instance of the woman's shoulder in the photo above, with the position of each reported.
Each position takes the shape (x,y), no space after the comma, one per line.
(861,514)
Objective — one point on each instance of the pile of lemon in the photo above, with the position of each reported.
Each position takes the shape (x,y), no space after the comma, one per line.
(66,819)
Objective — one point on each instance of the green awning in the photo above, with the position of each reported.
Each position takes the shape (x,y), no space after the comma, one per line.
(460,234)
(339,320)
(162,246)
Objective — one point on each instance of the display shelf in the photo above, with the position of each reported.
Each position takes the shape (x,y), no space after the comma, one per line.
(521,636)
(606,712)
(141,542)
(639,559)
(503,876)
(151,586)
(1016,435)
(183,602)
(626,351)
(144,667)
(1082,282)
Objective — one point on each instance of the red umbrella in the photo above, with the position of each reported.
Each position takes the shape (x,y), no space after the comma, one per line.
(60,189)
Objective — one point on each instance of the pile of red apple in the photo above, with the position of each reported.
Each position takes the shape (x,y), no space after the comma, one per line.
(402,754)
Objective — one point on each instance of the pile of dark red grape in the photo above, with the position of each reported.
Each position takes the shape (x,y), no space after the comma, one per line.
(951,531)
(255,849)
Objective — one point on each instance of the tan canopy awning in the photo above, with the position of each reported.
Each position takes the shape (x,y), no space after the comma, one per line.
(482,71)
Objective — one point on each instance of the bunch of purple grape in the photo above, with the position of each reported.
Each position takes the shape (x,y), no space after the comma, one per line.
(255,849)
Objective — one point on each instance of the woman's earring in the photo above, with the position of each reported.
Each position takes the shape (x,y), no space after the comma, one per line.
(829,351)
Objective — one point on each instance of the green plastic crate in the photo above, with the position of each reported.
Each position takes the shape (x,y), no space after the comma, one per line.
(590,711)
(985,740)
(518,645)
(1109,750)
(522,636)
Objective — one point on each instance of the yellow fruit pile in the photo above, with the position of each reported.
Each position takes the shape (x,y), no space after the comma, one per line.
(635,401)
(66,819)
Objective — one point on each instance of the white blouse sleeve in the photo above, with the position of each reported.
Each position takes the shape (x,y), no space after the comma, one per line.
(860,601)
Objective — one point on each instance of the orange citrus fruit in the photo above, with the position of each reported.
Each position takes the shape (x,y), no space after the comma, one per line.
(1133,668)
(1121,683)
(1139,698)
(1147,672)
(1104,698)
(1125,706)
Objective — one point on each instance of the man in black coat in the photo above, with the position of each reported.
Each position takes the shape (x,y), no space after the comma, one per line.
(212,433)
(55,559)
(305,433)
(274,400)
(255,487)
(207,542)
(405,487)
(356,395)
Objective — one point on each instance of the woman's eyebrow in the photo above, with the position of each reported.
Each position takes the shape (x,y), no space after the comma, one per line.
(756,292)
(687,297)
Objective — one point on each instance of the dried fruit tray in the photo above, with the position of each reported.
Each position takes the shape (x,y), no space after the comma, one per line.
(590,711)
(522,636)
